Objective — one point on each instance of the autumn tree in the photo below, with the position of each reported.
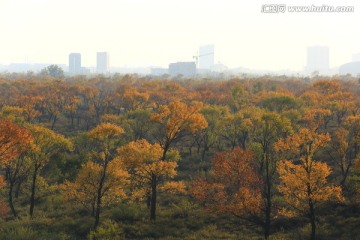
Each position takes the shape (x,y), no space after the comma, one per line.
(46,144)
(304,182)
(149,170)
(340,152)
(233,187)
(344,148)
(14,140)
(16,172)
(29,106)
(176,120)
(84,189)
(135,100)
(106,137)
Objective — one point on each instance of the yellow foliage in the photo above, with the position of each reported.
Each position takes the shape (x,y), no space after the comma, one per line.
(178,116)
(143,161)
(85,188)
(174,187)
(298,185)
(297,142)
(305,183)
(105,131)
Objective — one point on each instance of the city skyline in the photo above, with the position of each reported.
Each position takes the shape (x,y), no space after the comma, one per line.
(75,63)
(102,62)
(318,58)
(158,32)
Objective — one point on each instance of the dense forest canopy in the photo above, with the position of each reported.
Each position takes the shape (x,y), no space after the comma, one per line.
(130,157)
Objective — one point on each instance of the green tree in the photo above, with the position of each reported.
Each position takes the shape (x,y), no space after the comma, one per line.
(53,71)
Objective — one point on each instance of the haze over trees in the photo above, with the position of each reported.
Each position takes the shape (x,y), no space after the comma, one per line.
(129,157)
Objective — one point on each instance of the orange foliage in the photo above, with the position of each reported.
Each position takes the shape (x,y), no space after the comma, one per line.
(178,116)
(144,160)
(233,187)
(304,183)
(13,140)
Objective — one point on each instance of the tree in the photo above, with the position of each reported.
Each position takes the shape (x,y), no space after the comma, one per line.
(138,124)
(28,104)
(13,140)
(237,128)
(341,153)
(303,180)
(233,186)
(209,136)
(279,102)
(84,189)
(268,128)
(46,144)
(177,120)
(16,172)
(134,100)
(149,169)
(106,137)
(53,71)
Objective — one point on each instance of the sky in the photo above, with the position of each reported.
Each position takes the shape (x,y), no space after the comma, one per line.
(158,32)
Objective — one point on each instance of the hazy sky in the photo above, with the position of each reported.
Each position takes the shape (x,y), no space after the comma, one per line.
(157,32)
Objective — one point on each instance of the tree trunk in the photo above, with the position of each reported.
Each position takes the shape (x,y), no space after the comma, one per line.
(18,187)
(11,202)
(166,149)
(312,220)
(53,123)
(268,201)
(153,198)
(99,198)
(93,207)
(148,200)
(33,188)
(204,153)
(311,211)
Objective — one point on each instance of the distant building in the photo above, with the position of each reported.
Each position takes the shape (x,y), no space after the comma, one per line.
(159,71)
(317,60)
(219,68)
(206,57)
(102,62)
(75,63)
(352,68)
(187,69)
(356,57)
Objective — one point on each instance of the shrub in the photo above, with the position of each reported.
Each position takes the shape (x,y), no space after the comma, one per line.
(108,230)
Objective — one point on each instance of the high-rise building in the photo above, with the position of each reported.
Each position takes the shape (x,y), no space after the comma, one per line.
(187,69)
(318,59)
(75,63)
(206,57)
(102,62)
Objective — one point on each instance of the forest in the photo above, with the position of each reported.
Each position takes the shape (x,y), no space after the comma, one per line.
(133,157)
